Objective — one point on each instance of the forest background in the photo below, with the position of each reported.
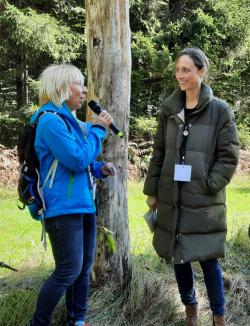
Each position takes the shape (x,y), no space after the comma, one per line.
(34,34)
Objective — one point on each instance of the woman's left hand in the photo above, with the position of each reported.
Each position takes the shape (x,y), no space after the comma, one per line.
(108,169)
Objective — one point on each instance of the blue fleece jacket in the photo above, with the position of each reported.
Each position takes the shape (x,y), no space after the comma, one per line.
(64,140)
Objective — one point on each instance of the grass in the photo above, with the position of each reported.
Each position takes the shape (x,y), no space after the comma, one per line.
(152,297)
(238,204)
(19,241)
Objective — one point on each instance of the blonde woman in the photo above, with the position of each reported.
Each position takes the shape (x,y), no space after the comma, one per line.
(70,210)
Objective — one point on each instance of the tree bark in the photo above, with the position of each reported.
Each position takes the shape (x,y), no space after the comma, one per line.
(109,73)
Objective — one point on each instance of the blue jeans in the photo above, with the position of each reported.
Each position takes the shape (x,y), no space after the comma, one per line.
(73,241)
(213,280)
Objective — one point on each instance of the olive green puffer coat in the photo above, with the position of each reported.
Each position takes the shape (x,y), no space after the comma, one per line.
(191,216)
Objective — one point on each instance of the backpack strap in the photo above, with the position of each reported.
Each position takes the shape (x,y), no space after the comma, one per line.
(43,235)
(52,170)
(51,173)
(83,127)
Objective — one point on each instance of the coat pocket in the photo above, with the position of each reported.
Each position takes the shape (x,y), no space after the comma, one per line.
(165,189)
(163,243)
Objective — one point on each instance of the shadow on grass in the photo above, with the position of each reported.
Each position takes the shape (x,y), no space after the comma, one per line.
(237,278)
(148,300)
(238,253)
(18,293)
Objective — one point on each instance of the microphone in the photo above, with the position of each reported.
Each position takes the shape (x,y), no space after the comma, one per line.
(95,107)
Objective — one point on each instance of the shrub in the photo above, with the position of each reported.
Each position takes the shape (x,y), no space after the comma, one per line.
(142,128)
(244,135)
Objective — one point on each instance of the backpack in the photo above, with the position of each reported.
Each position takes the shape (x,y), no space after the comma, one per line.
(30,190)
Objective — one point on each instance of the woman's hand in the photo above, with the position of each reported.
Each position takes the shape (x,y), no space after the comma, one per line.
(152,202)
(108,169)
(104,119)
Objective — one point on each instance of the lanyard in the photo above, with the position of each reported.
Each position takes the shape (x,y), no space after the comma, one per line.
(183,147)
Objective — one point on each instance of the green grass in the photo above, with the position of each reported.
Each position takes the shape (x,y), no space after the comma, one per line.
(19,241)
(238,204)
(152,297)
(139,232)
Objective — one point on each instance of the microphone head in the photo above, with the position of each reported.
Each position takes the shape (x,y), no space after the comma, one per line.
(95,107)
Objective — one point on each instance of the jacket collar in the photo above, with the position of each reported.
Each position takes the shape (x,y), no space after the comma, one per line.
(176,101)
(62,110)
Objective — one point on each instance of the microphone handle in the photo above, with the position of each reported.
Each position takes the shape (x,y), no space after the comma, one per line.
(95,107)
(116,130)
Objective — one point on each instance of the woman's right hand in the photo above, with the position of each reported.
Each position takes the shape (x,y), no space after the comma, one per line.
(152,202)
(104,119)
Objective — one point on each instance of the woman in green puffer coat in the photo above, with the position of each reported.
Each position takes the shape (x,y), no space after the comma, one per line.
(195,154)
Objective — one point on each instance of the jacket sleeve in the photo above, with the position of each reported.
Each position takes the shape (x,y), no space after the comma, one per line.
(95,166)
(227,153)
(96,169)
(156,161)
(66,149)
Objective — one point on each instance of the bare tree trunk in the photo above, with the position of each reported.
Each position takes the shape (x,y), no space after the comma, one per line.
(109,72)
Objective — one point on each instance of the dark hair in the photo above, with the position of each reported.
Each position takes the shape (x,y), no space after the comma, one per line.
(198,57)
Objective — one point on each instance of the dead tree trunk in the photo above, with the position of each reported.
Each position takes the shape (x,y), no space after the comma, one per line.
(109,72)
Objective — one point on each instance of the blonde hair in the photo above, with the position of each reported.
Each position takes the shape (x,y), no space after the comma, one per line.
(55,83)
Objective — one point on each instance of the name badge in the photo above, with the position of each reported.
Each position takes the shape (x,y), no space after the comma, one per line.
(182,172)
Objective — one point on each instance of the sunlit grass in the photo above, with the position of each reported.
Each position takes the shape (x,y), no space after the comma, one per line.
(20,244)
(20,235)
(140,235)
(238,204)
(152,280)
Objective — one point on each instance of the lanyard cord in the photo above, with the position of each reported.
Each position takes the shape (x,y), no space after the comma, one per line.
(183,147)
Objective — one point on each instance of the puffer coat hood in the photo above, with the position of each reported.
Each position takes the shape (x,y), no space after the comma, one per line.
(191,216)
(176,101)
